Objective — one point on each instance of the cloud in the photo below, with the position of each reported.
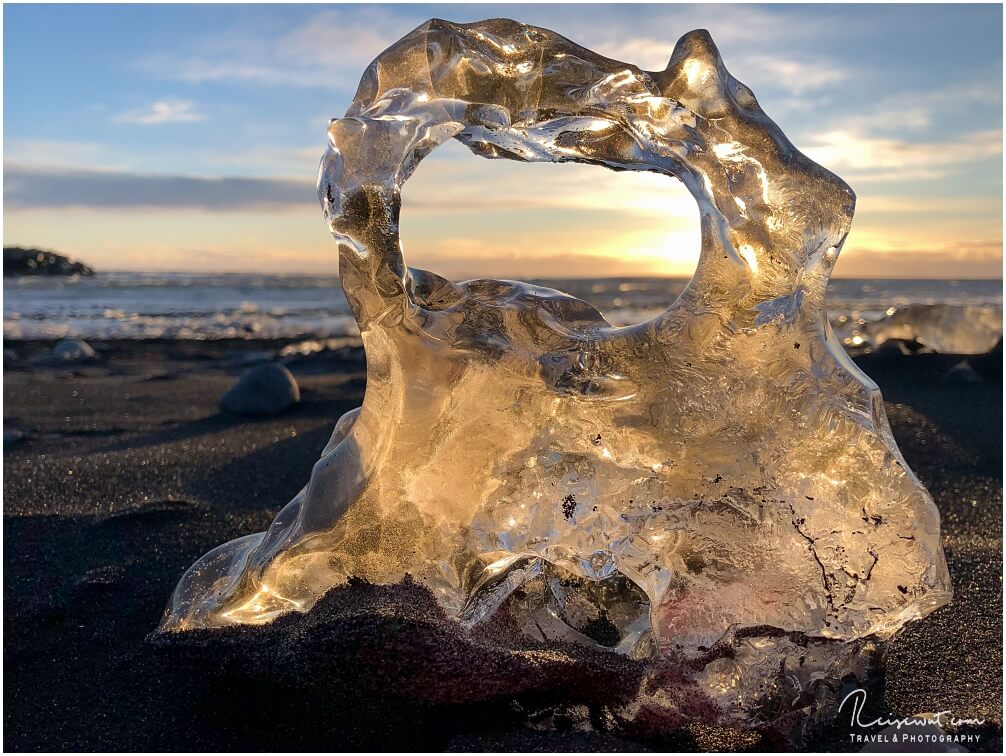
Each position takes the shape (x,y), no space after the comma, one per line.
(320,53)
(162,111)
(966,259)
(441,186)
(540,264)
(734,27)
(749,39)
(873,158)
(248,158)
(885,204)
(918,111)
(903,137)
(766,71)
(61,154)
(332,48)
(28,187)
(261,159)
(455,182)
(795,75)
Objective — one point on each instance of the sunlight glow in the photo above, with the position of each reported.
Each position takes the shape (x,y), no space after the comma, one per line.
(748,253)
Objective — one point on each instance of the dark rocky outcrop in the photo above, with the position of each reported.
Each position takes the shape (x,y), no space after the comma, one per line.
(18,261)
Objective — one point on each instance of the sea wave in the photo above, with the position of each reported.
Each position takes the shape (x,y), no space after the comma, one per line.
(950,316)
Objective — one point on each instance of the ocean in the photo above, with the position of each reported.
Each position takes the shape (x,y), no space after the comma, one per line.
(218,306)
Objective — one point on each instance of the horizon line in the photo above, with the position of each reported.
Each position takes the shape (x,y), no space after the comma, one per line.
(335,274)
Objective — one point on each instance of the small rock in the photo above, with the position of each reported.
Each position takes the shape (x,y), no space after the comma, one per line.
(12,437)
(962,373)
(72,350)
(265,390)
(106,575)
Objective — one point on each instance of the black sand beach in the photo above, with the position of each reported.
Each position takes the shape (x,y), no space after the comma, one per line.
(127,473)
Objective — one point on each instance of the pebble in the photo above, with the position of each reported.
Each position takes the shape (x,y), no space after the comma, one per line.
(12,437)
(962,373)
(72,350)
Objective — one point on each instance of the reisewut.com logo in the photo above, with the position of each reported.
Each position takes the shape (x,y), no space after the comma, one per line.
(920,729)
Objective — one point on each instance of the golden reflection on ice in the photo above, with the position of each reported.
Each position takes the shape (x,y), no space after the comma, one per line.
(722,466)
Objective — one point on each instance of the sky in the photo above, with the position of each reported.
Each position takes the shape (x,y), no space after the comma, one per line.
(187,138)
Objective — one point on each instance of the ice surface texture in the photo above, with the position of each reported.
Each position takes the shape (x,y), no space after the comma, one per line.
(655,489)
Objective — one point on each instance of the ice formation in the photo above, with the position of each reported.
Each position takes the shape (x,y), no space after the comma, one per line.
(947,328)
(721,473)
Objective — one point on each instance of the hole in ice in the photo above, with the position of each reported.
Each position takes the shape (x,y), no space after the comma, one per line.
(549,602)
(625,241)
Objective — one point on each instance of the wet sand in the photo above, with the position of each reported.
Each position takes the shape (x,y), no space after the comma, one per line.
(127,474)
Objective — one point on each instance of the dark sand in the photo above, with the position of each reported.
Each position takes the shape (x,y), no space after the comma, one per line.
(127,474)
